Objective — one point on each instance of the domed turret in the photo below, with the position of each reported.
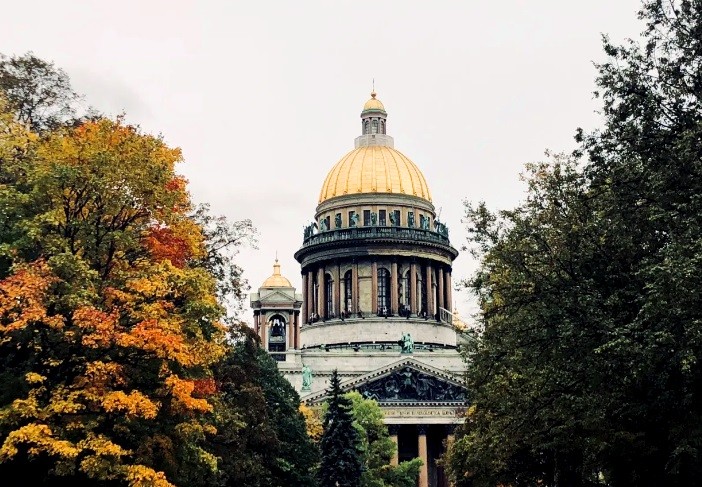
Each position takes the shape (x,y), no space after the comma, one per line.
(276,279)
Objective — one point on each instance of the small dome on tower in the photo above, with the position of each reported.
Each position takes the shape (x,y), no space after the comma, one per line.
(373,104)
(276,280)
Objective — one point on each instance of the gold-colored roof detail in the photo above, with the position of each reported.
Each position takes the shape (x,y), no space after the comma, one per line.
(374,169)
(373,103)
(276,280)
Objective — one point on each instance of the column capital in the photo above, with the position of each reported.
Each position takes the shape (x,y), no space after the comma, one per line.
(394,429)
(422,429)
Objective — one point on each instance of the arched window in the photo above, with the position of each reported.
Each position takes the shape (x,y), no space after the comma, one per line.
(328,296)
(348,292)
(383,291)
(382,126)
(374,126)
(366,127)
(405,293)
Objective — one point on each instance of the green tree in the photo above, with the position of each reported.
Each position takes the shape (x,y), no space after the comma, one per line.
(341,463)
(261,437)
(586,370)
(377,448)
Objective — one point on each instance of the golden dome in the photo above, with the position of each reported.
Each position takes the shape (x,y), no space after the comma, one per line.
(276,280)
(374,169)
(373,103)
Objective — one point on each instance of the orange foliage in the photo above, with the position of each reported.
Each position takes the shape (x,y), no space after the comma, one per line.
(22,297)
(100,328)
(204,387)
(163,244)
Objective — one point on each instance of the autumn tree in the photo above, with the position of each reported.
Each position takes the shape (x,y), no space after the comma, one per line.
(109,321)
(587,369)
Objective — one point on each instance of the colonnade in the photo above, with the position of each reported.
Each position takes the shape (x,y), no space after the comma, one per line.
(423,452)
(438,295)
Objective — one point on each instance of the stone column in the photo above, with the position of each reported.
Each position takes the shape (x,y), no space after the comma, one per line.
(440,277)
(374,287)
(424,471)
(297,330)
(337,290)
(309,301)
(305,299)
(291,330)
(394,298)
(264,332)
(430,292)
(394,430)
(355,298)
(256,327)
(413,288)
(320,292)
(449,291)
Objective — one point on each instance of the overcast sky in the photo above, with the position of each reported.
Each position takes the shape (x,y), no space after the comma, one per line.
(264,97)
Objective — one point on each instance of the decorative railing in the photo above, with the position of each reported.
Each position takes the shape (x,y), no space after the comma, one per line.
(397,233)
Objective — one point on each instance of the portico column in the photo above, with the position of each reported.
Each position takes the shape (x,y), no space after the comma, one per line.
(264,332)
(320,292)
(424,471)
(440,275)
(306,300)
(257,329)
(430,292)
(394,429)
(413,288)
(393,288)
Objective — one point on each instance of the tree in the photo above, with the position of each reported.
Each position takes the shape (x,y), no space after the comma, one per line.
(261,435)
(341,463)
(377,448)
(108,320)
(586,371)
(39,94)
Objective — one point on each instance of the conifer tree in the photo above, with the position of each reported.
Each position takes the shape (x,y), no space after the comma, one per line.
(341,460)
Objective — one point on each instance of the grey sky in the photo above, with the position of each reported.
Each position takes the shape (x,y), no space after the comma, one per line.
(264,97)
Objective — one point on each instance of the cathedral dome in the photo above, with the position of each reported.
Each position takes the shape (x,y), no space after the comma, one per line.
(276,280)
(373,104)
(374,169)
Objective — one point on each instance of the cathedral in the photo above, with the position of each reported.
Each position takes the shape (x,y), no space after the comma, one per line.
(376,299)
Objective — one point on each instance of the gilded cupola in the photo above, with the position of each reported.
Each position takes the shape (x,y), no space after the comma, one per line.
(374,165)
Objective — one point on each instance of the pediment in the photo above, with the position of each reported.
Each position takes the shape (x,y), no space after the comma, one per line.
(277,297)
(407,382)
